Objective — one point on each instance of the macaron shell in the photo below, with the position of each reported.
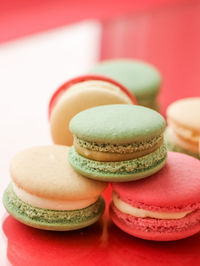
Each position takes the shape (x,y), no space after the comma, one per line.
(124,222)
(141,78)
(186,113)
(175,187)
(119,124)
(83,219)
(44,171)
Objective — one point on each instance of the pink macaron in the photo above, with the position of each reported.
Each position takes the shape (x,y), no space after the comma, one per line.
(163,207)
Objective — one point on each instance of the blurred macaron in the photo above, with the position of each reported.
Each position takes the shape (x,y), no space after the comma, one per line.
(183,131)
(142,79)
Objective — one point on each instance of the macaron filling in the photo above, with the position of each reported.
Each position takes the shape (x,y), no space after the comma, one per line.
(119,148)
(52,204)
(15,205)
(113,157)
(123,167)
(142,213)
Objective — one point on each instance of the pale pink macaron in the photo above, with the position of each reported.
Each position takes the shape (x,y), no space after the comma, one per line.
(79,94)
(163,207)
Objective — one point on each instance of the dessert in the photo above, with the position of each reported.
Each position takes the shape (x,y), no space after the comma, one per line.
(183,131)
(117,142)
(46,193)
(165,206)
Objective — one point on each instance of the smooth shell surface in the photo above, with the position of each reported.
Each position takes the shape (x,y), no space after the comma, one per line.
(118,124)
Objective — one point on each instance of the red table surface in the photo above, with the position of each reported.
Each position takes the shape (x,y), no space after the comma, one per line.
(170,39)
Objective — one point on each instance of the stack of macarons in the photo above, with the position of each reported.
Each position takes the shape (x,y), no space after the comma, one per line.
(112,140)
(45,191)
(123,143)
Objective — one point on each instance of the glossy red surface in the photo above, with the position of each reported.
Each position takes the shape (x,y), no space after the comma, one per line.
(73,81)
(100,244)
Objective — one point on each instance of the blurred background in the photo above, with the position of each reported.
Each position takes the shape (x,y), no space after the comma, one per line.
(44,43)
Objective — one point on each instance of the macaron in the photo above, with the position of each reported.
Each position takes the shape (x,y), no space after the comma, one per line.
(183,131)
(46,193)
(141,78)
(79,94)
(163,207)
(117,142)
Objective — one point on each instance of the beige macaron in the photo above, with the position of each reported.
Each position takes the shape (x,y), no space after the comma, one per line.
(80,95)
(46,192)
(183,130)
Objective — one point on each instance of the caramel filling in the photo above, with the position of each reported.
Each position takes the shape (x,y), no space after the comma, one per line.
(113,157)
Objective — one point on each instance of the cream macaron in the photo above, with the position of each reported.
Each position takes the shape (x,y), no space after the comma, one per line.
(79,94)
(183,131)
(47,193)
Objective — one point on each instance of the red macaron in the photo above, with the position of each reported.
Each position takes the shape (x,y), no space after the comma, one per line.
(163,207)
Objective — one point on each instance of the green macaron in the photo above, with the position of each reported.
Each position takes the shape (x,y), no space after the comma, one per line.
(118,142)
(141,78)
(46,193)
